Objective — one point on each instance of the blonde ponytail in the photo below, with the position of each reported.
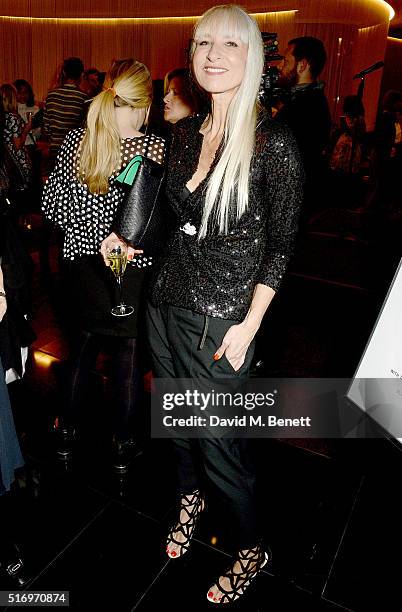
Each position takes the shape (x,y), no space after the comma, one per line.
(100,150)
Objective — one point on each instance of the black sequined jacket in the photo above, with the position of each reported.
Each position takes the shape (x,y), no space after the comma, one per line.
(216,276)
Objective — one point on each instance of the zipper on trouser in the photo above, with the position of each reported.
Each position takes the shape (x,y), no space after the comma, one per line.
(204,333)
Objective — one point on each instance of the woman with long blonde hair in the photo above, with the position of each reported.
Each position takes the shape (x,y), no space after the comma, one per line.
(82,197)
(234,181)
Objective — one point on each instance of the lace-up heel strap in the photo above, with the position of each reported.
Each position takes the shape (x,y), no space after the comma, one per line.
(186,524)
(251,562)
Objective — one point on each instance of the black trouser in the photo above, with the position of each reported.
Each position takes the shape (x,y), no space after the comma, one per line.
(182,346)
(125,378)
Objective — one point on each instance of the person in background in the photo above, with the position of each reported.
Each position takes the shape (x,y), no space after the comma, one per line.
(15,133)
(398,132)
(65,106)
(180,98)
(307,113)
(30,112)
(91,83)
(386,129)
(4,175)
(82,197)
(10,452)
(346,155)
(11,459)
(348,138)
(27,109)
(386,194)
(16,333)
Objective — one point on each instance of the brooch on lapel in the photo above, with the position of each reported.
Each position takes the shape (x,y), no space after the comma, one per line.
(189,229)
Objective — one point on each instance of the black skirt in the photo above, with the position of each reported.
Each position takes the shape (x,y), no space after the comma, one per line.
(93,291)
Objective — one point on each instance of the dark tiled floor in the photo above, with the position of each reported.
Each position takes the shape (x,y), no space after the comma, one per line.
(329,509)
(112,562)
(366,572)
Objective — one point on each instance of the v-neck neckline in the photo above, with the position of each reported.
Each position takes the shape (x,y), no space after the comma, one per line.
(197,154)
(198,149)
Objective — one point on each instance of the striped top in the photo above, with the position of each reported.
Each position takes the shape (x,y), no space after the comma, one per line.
(65,110)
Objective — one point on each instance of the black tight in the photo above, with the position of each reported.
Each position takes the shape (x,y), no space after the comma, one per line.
(125,378)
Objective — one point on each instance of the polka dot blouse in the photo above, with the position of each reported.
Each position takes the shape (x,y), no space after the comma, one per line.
(87,218)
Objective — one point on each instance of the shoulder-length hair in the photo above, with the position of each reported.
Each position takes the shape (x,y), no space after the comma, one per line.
(189,92)
(8,95)
(231,173)
(128,83)
(19,84)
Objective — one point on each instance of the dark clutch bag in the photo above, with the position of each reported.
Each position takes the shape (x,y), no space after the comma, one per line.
(139,219)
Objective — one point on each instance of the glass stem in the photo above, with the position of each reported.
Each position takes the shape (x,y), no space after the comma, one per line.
(120,285)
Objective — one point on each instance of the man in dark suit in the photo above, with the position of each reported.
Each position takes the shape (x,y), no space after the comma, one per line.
(306,111)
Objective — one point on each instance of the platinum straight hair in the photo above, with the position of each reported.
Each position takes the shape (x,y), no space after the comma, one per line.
(233,168)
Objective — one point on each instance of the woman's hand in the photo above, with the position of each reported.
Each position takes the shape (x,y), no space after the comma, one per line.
(235,344)
(112,241)
(3,307)
(239,337)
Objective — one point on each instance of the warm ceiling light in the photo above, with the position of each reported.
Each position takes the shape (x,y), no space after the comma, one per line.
(391,10)
(129,19)
(100,20)
(275,12)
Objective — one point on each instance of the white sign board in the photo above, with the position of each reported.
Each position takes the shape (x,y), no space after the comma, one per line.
(377,385)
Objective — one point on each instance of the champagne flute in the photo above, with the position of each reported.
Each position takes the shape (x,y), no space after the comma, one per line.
(29,116)
(117,257)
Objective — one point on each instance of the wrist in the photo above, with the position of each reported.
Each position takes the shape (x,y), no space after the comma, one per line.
(251,323)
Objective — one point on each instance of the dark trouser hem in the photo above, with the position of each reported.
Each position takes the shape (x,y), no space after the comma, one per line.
(182,346)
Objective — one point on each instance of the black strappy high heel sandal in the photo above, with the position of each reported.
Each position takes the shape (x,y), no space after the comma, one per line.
(187,526)
(251,563)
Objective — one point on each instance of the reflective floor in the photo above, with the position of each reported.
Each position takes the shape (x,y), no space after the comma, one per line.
(330,509)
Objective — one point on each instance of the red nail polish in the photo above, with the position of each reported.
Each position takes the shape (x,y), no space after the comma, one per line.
(173,553)
(210,594)
(216,357)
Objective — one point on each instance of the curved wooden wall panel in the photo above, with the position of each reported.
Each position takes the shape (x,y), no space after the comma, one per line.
(35,35)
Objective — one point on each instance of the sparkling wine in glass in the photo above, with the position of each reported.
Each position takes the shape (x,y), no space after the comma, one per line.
(117,257)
